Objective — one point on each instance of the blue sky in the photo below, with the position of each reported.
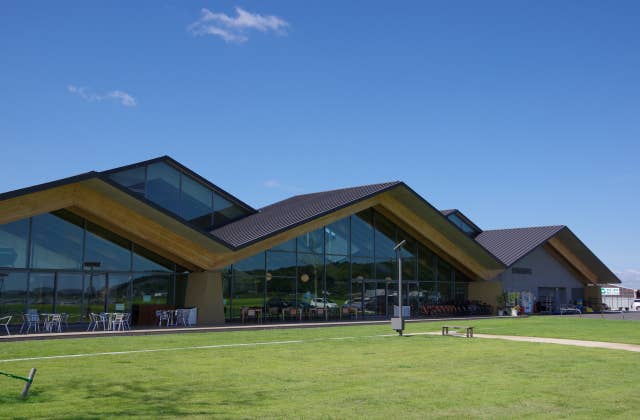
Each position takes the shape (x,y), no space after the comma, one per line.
(519,113)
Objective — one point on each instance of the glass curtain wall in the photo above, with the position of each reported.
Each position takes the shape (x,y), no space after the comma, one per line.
(180,194)
(59,262)
(349,263)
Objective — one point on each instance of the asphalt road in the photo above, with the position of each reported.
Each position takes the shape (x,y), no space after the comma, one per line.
(631,315)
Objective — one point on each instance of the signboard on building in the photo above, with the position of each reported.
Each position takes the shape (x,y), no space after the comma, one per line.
(610,291)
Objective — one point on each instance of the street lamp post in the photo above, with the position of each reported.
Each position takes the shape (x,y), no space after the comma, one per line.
(397,323)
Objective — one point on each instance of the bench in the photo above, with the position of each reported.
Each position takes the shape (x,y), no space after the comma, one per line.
(469,330)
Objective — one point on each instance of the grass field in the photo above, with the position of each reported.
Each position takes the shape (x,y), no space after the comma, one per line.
(333,372)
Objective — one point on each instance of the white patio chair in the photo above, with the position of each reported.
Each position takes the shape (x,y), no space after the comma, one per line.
(55,323)
(4,322)
(126,320)
(117,323)
(30,320)
(95,320)
(162,316)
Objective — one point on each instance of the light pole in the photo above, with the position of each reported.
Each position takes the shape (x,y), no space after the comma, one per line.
(397,323)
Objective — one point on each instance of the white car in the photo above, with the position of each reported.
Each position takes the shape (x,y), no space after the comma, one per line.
(322,303)
(635,306)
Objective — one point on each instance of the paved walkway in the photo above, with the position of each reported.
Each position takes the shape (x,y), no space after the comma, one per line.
(214,328)
(563,341)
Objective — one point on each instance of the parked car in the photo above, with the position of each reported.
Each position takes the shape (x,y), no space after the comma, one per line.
(636,305)
(322,303)
(276,302)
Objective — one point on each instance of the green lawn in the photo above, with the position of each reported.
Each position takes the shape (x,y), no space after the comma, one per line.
(595,329)
(362,375)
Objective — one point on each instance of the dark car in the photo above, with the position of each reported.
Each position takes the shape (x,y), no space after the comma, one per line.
(276,302)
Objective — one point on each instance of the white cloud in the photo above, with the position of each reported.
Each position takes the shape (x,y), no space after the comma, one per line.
(234,29)
(124,98)
(271,183)
(629,277)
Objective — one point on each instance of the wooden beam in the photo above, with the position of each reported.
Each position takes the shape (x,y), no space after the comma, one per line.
(435,237)
(572,259)
(114,216)
(38,202)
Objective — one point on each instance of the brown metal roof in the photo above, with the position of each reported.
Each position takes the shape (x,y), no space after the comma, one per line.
(509,245)
(292,212)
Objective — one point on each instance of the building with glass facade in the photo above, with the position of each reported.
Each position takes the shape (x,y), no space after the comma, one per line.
(156,234)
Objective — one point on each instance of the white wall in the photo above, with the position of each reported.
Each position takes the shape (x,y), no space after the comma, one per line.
(546,272)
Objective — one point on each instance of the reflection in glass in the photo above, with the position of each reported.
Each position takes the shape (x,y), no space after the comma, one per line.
(41,286)
(337,237)
(225,211)
(163,186)
(119,292)
(385,238)
(310,274)
(281,264)
(13,244)
(13,292)
(151,289)
(337,279)
(145,260)
(425,264)
(112,251)
(69,294)
(311,242)
(95,292)
(132,179)
(362,234)
(247,291)
(56,241)
(197,205)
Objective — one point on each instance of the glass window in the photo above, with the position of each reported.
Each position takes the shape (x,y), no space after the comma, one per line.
(281,293)
(445,282)
(247,291)
(145,260)
(312,242)
(152,289)
(408,254)
(163,186)
(429,291)
(310,275)
(132,179)
(41,286)
(337,237)
(253,265)
(385,238)
(466,228)
(13,244)
(289,246)
(281,264)
(362,234)
(119,292)
(425,264)
(57,241)
(13,292)
(95,292)
(110,250)
(69,294)
(361,268)
(197,205)
(337,279)
(225,211)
